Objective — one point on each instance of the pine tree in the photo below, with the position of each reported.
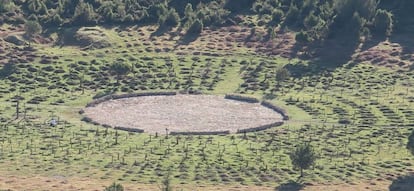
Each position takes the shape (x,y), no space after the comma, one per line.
(84,14)
(196,27)
(120,69)
(383,22)
(303,157)
(32,28)
(172,19)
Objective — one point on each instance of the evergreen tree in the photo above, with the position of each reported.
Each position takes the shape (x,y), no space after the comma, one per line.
(383,22)
(291,16)
(106,10)
(173,19)
(277,16)
(6,5)
(31,28)
(311,21)
(356,25)
(196,27)
(303,37)
(189,12)
(120,69)
(303,157)
(238,6)
(84,14)
(166,182)
(282,74)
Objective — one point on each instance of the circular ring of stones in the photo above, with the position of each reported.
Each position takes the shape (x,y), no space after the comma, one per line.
(186,114)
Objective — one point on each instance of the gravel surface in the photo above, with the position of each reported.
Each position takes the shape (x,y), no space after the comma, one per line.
(182,113)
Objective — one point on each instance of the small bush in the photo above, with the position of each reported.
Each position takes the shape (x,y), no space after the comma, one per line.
(303,37)
(114,187)
(86,119)
(344,121)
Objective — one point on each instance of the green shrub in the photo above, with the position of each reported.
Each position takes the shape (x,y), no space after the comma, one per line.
(383,22)
(114,187)
(196,27)
(32,27)
(120,69)
(303,37)
(6,5)
(172,19)
(292,16)
(277,16)
(303,157)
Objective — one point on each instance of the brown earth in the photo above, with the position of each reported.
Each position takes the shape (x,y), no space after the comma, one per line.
(35,183)
(390,53)
(394,52)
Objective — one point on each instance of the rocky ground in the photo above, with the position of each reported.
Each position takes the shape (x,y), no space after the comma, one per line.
(182,113)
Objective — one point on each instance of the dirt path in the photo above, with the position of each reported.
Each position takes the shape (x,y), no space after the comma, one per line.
(37,183)
(86,184)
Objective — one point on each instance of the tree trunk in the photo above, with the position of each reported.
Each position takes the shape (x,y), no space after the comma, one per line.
(301,172)
(17,110)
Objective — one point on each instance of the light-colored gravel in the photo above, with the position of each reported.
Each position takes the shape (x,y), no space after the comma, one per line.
(182,113)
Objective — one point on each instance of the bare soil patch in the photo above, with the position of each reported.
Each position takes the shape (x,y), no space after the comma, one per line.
(182,113)
(394,53)
(90,184)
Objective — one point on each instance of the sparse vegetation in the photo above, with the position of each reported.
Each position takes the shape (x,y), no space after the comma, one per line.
(347,93)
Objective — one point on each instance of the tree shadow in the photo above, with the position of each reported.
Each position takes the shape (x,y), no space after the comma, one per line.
(405,41)
(322,56)
(65,36)
(374,41)
(251,35)
(289,186)
(161,30)
(404,183)
(187,39)
(7,70)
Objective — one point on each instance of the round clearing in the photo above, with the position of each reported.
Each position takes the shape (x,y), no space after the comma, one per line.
(182,113)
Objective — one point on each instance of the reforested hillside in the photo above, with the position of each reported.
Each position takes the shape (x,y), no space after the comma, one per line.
(214,95)
(312,19)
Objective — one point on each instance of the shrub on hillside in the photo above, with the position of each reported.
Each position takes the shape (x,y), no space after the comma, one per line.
(383,22)
(32,28)
(196,27)
(172,19)
(114,187)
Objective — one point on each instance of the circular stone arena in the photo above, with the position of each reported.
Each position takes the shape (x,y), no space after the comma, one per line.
(182,113)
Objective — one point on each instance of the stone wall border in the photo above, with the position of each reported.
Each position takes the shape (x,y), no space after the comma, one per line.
(235,97)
